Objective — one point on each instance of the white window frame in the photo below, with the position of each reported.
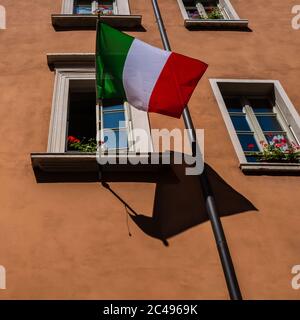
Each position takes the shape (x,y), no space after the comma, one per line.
(287,114)
(128,127)
(60,105)
(225,6)
(120,7)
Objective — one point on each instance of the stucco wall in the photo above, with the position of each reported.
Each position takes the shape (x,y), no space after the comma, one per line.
(70,241)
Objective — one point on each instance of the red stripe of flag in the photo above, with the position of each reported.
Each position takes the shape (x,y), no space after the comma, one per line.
(176,84)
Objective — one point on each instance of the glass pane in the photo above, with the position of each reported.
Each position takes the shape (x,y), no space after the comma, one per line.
(269,123)
(261,105)
(248,142)
(240,123)
(82,7)
(122,139)
(117,139)
(233,104)
(275,135)
(193,13)
(112,108)
(82,10)
(113,119)
(189,2)
(105,7)
(83,2)
(252,159)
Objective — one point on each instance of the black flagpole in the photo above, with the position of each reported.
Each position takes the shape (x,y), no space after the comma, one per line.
(224,253)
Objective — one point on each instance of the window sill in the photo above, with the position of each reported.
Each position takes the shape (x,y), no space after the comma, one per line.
(270,168)
(83,167)
(65,22)
(64,162)
(214,24)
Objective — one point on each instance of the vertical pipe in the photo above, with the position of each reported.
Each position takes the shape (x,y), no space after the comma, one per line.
(220,238)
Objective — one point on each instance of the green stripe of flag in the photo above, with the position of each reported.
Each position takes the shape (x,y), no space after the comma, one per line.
(111,51)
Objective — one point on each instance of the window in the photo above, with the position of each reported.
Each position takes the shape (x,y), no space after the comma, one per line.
(256,113)
(77,124)
(257,120)
(89,7)
(82,15)
(108,124)
(205,9)
(210,13)
(91,125)
(75,114)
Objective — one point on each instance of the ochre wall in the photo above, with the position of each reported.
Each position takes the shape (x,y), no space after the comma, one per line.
(70,241)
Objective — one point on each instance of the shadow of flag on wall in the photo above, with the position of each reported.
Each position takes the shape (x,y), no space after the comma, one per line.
(179,204)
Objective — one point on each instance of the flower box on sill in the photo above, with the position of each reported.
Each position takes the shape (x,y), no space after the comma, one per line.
(271,168)
(217,24)
(278,150)
(82,145)
(279,156)
(261,158)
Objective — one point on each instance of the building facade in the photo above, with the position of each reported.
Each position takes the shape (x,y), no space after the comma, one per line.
(64,235)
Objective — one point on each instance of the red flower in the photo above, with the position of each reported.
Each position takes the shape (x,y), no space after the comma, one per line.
(283,141)
(279,145)
(72,139)
(250,146)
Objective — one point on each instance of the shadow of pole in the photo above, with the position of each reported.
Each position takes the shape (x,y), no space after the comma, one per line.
(147,224)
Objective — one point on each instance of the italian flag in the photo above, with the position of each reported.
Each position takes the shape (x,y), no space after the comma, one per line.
(149,78)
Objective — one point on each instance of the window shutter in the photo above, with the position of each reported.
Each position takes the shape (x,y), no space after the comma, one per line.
(122,7)
(94,6)
(228,9)
(67,6)
(201,10)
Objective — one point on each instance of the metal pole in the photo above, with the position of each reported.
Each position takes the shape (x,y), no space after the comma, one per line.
(224,253)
